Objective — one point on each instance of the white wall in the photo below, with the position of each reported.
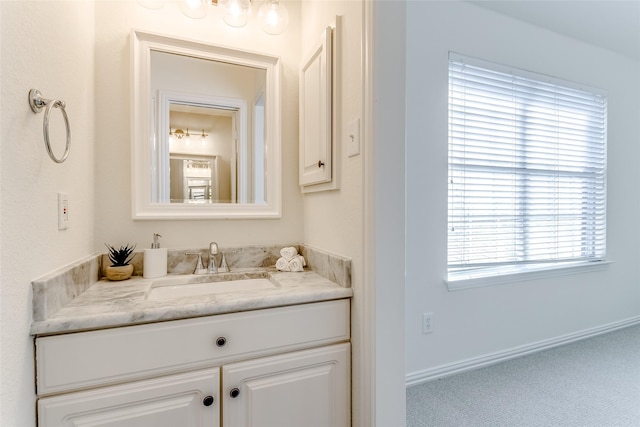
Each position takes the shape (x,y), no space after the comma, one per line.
(48,46)
(384,209)
(333,220)
(477,322)
(114,21)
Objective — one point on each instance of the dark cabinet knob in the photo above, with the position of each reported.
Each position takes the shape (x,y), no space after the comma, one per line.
(208,401)
(221,341)
(235,392)
(320,163)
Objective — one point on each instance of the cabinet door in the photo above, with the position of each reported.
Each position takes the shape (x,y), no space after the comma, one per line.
(184,400)
(315,113)
(306,388)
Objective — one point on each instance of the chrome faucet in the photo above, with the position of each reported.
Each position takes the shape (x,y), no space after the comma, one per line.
(213,251)
(199,267)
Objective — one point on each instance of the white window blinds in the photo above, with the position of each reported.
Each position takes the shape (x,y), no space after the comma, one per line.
(527,163)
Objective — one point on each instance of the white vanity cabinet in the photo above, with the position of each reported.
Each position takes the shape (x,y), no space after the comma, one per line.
(189,400)
(301,389)
(286,366)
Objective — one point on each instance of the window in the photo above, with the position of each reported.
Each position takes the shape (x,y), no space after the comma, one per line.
(527,170)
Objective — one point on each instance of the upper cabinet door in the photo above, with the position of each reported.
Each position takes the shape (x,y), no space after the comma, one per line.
(315,113)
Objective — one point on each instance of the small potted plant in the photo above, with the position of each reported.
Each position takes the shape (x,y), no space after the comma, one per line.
(120,269)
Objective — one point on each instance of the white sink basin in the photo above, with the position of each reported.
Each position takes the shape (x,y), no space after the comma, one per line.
(161,291)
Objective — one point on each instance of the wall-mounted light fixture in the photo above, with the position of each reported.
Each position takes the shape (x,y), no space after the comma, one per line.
(236,12)
(179,133)
(273,16)
(203,137)
(195,9)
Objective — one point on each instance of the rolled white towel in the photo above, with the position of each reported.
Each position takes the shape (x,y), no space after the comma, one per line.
(296,264)
(282,264)
(288,253)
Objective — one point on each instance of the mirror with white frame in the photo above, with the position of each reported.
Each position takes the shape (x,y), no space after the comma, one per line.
(205,130)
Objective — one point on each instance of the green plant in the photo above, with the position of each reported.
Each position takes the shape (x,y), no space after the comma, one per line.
(122,256)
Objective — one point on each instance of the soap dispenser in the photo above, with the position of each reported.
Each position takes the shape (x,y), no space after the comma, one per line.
(155,260)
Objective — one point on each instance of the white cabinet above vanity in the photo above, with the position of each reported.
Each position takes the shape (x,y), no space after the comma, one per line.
(318,111)
(107,353)
(315,112)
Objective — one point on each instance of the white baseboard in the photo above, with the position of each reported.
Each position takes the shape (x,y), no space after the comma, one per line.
(431,374)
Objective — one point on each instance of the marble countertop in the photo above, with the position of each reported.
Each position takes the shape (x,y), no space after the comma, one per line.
(111,304)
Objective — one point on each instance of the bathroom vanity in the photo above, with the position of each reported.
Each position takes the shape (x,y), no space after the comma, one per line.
(117,355)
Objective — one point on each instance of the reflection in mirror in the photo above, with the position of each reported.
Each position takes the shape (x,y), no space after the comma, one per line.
(200,156)
(229,118)
(208,131)
(194,179)
(213,130)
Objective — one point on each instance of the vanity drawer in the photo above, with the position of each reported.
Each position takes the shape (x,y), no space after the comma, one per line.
(88,359)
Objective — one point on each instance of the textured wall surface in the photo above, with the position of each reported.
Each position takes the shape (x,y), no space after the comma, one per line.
(60,64)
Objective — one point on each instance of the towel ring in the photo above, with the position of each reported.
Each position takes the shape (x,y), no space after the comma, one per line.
(37,103)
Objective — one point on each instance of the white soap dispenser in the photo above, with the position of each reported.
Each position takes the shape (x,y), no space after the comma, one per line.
(155,260)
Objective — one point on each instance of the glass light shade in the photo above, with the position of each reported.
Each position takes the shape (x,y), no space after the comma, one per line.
(273,17)
(195,9)
(236,12)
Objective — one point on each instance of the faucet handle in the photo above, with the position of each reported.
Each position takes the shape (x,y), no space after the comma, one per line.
(199,266)
(224,268)
(213,251)
(213,248)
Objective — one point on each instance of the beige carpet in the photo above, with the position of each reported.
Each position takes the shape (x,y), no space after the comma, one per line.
(590,383)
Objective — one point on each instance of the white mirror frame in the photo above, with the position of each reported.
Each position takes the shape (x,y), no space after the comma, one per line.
(143,135)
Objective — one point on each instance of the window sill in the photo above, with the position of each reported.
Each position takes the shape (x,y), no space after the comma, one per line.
(460,281)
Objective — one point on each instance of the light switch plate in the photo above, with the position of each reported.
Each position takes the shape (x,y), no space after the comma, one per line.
(353,138)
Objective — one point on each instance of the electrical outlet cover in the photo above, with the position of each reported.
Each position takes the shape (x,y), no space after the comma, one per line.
(427,323)
(63,211)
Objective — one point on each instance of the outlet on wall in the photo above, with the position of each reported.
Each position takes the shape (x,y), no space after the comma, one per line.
(63,211)
(427,323)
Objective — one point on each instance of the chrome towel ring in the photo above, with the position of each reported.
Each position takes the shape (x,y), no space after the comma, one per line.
(37,103)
